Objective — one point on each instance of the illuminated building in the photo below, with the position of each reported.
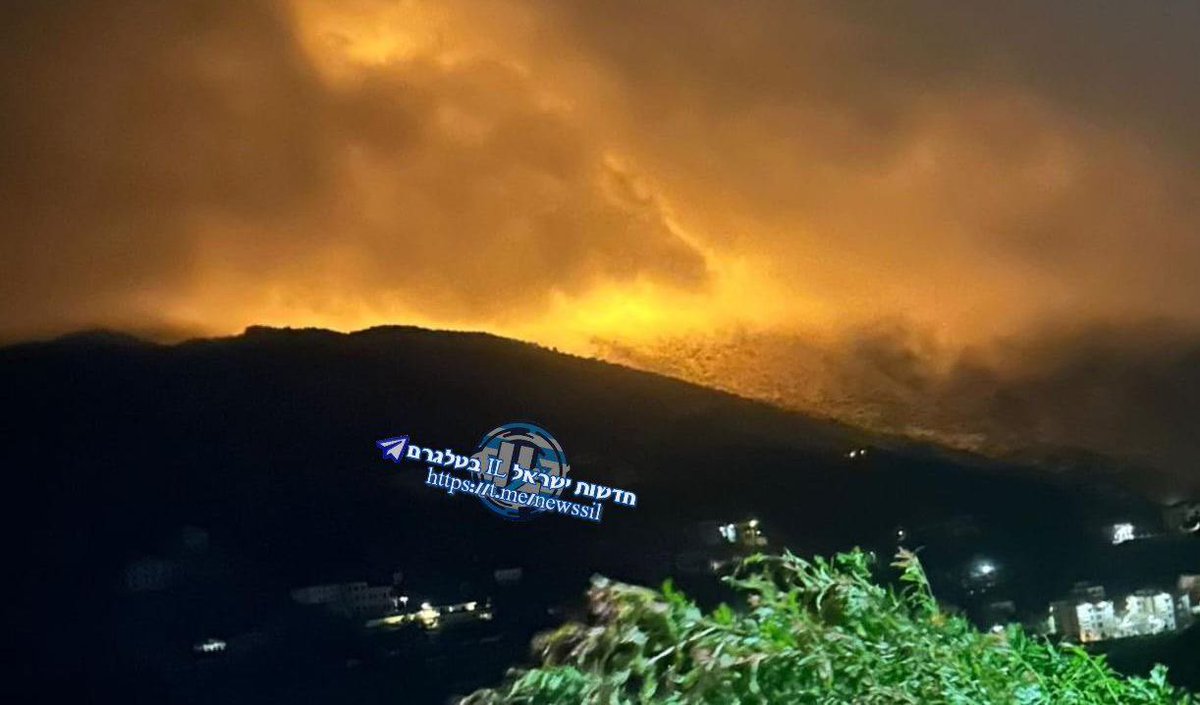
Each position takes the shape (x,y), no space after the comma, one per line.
(746,533)
(1122,533)
(431,617)
(1147,613)
(210,646)
(356,599)
(1097,621)
(713,547)
(1064,614)
(1087,617)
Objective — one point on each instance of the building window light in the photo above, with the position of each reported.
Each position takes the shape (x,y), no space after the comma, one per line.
(1122,533)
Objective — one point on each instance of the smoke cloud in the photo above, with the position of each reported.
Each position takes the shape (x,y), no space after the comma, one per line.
(981,187)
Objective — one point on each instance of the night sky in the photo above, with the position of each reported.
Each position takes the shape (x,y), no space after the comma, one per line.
(973,222)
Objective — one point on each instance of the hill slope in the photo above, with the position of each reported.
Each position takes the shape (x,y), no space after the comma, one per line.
(267,441)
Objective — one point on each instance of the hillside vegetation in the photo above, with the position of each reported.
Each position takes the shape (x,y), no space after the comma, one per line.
(820,631)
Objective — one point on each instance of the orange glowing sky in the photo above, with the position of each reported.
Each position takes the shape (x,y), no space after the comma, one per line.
(761,180)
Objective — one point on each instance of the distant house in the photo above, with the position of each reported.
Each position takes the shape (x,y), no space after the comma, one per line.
(712,546)
(357,599)
(1087,616)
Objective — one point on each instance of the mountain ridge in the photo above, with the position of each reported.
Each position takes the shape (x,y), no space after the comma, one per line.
(1069,464)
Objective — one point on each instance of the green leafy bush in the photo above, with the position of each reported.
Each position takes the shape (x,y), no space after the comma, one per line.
(819,631)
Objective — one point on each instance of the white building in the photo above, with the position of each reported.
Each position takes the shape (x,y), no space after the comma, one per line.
(1097,621)
(1087,616)
(1148,613)
(1122,533)
(353,599)
(1064,614)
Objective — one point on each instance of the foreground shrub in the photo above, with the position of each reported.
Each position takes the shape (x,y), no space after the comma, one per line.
(819,631)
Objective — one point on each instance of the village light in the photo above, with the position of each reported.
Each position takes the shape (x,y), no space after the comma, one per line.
(985,568)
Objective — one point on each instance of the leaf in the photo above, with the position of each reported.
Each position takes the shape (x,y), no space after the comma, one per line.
(819,631)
